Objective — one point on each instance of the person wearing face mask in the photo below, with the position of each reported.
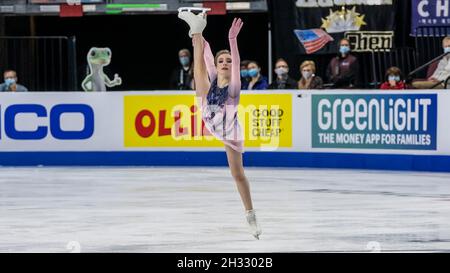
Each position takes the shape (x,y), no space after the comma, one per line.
(245,79)
(282,81)
(394,79)
(342,71)
(257,81)
(441,73)
(10,84)
(181,78)
(309,80)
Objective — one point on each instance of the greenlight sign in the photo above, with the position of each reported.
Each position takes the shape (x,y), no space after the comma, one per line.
(374,121)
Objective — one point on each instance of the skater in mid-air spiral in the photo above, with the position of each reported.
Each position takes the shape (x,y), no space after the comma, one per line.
(218,86)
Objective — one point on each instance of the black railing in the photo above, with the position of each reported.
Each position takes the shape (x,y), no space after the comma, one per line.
(428,43)
(424,66)
(382,60)
(43,63)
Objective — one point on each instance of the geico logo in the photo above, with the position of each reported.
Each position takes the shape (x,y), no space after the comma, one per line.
(54,121)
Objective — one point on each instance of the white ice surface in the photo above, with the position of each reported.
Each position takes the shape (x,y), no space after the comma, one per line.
(199,210)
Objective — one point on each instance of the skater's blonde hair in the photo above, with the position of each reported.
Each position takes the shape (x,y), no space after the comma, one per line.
(224,51)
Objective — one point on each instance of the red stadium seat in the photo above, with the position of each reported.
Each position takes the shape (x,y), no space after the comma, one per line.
(431,68)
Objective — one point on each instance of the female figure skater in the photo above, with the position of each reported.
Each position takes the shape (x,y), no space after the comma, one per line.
(218,87)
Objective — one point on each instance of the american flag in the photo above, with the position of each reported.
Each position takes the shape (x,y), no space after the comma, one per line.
(313,39)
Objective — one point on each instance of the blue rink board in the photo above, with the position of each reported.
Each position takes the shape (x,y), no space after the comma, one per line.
(252,159)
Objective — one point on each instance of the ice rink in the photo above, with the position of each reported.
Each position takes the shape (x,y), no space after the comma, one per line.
(199,210)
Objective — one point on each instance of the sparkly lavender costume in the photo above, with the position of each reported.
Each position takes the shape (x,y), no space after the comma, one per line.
(219,108)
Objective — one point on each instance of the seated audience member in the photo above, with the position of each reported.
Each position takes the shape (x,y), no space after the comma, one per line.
(394,79)
(282,81)
(309,80)
(342,71)
(441,73)
(10,84)
(244,74)
(257,81)
(182,77)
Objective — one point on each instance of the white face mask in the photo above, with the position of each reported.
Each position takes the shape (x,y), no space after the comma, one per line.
(10,81)
(281,71)
(394,78)
(307,74)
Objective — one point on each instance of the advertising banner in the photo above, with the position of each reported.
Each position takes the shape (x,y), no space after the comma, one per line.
(316,26)
(63,121)
(405,130)
(175,121)
(404,122)
(430,13)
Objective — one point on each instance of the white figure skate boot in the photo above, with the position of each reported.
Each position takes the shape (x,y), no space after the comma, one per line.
(253,223)
(197,23)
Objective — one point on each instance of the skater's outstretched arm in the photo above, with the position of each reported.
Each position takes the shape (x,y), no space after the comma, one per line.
(202,82)
(209,61)
(235,83)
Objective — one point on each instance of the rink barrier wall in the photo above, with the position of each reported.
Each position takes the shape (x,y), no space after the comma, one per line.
(218,159)
(362,129)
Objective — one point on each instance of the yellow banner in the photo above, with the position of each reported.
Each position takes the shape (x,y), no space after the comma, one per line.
(175,121)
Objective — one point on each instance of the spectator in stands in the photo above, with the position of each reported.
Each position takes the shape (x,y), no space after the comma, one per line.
(282,81)
(257,81)
(181,78)
(394,79)
(442,72)
(309,80)
(10,84)
(245,79)
(342,71)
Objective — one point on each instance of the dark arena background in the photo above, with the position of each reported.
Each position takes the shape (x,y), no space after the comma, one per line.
(343,108)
